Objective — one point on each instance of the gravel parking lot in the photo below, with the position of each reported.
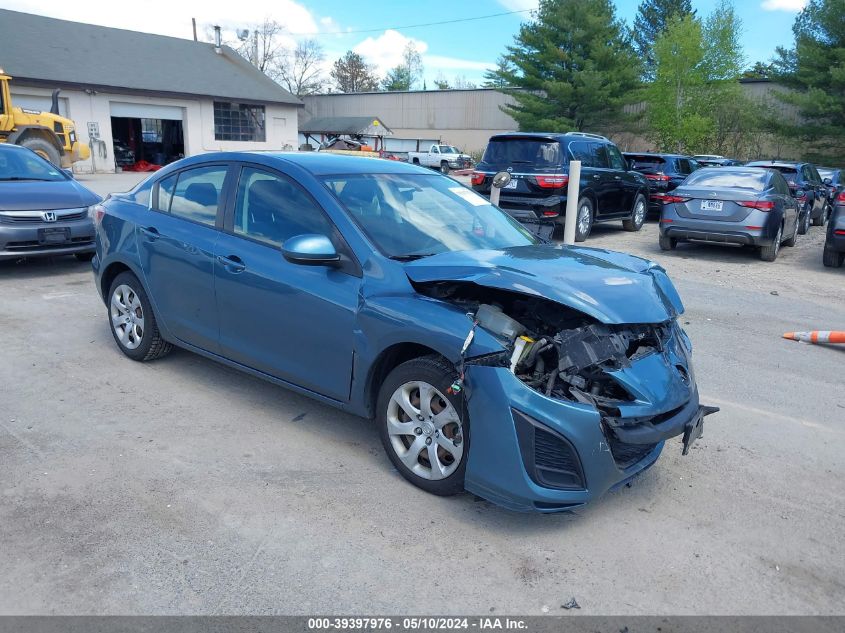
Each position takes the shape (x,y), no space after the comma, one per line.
(182,486)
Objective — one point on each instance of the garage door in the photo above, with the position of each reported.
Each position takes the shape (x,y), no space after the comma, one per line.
(42,104)
(145,111)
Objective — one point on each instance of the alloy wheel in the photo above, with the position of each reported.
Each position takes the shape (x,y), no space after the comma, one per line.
(639,213)
(583,219)
(127,316)
(425,430)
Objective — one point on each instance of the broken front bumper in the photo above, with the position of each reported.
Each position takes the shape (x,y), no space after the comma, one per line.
(530,452)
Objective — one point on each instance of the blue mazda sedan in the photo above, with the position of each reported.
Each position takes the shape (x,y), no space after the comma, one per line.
(534,375)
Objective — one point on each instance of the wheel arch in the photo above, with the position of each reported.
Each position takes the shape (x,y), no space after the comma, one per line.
(24,132)
(387,360)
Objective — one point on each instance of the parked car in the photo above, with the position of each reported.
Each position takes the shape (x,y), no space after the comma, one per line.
(664,173)
(533,375)
(442,157)
(806,184)
(43,210)
(832,177)
(834,243)
(539,169)
(714,160)
(732,205)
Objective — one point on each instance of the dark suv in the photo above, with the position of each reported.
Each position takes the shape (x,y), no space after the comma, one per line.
(539,169)
(806,184)
(664,173)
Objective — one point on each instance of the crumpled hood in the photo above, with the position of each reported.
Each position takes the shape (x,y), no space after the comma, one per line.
(27,195)
(611,287)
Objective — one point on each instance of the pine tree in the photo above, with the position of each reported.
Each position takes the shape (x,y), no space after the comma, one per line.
(352,74)
(574,64)
(651,21)
(815,70)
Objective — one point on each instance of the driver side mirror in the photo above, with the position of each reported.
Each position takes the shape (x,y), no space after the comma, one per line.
(827,181)
(310,250)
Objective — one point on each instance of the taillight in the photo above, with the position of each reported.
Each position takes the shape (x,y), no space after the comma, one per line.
(477,178)
(841,197)
(552,182)
(760,205)
(670,199)
(658,177)
(839,232)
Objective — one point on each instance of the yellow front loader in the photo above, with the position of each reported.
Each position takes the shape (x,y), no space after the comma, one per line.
(46,133)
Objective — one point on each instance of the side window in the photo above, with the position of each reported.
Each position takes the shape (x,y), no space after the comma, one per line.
(142,194)
(600,157)
(616,160)
(816,176)
(435,149)
(272,209)
(197,194)
(684,166)
(165,193)
(693,165)
(580,150)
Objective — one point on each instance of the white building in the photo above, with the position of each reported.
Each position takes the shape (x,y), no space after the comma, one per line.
(152,97)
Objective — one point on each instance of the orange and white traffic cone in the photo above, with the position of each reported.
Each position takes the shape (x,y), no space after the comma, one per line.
(816,336)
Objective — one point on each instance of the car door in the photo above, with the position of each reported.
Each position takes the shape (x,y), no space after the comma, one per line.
(609,192)
(813,191)
(176,249)
(626,182)
(821,189)
(788,202)
(291,321)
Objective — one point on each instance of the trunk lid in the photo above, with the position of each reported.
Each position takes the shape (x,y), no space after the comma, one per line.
(714,204)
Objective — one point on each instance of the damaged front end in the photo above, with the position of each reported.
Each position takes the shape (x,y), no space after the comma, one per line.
(637,377)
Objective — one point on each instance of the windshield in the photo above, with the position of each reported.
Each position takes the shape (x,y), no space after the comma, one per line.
(23,165)
(827,173)
(448,149)
(646,162)
(754,180)
(410,216)
(536,152)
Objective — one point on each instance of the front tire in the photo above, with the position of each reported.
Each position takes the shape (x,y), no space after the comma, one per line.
(791,241)
(43,148)
(424,428)
(133,324)
(667,243)
(805,223)
(444,167)
(637,219)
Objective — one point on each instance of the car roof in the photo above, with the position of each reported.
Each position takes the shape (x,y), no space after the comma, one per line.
(8,147)
(658,154)
(317,163)
(551,135)
(775,163)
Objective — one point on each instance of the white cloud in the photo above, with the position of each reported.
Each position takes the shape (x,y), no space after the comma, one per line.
(783,5)
(519,5)
(165,17)
(385,51)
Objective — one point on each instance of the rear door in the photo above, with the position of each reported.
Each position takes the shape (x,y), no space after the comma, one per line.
(626,182)
(177,251)
(609,187)
(290,321)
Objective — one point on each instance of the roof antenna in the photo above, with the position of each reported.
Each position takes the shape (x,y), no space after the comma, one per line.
(217,40)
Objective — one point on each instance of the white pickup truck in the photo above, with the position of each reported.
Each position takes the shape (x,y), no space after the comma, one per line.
(442,157)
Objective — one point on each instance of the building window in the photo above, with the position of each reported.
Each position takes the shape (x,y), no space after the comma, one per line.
(151,130)
(238,122)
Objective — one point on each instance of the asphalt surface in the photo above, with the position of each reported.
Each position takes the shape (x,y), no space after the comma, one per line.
(183,487)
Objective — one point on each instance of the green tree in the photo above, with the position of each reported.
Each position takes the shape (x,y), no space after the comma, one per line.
(723,55)
(574,64)
(397,78)
(406,74)
(352,74)
(441,83)
(760,70)
(497,78)
(651,21)
(814,69)
(676,105)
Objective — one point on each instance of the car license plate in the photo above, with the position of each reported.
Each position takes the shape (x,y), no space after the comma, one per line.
(53,235)
(711,205)
(511,184)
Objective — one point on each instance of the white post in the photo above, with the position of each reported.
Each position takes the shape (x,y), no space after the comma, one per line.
(572,192)
(494,195)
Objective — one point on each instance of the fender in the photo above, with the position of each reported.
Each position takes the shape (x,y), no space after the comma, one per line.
(41,131)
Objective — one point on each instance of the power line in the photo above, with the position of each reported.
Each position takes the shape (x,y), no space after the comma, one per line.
(416,26)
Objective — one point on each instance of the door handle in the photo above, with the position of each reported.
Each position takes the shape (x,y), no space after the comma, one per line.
(232,263)
(596,176)
(617,177)
(151,232)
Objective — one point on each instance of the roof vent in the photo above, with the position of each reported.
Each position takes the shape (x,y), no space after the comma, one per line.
(217,40)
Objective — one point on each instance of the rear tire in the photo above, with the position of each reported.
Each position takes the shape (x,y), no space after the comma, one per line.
(43,148)
(416,161)
(584,219)
(791,241)
(832,258)
(769,252)
(638,215)
(133,324)
(667,243)
(439,426)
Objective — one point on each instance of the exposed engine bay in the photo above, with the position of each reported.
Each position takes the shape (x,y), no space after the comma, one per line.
(553,349)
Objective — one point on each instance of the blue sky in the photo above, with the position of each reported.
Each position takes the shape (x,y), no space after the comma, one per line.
(378,29)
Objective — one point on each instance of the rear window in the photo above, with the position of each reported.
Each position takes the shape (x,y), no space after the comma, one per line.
(537,152)
(828,173)
(789,173)
(753,180)
(646,162)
